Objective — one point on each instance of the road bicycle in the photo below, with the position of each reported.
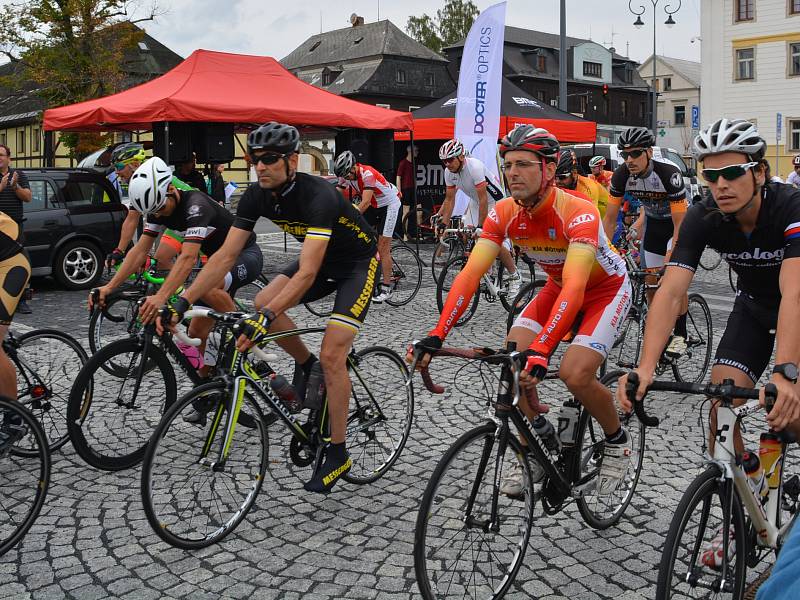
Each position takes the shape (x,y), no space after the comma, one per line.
(200,481)
(721,512)
(24,471)
(470,539)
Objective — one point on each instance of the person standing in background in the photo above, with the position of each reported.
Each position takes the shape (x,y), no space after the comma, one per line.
(189,175)
(14,190)
(405,183)
(215,184)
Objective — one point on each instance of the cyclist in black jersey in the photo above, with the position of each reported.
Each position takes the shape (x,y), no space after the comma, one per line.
(202,222)
(338,255)
(755,226)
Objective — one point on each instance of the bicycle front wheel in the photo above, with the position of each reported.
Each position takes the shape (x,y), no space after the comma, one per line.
(710,259)
(691,562)
(603,511)
(463,548)
(380,414)
(116,320)
(245,296)
(47,361)
(406,275)
(110,418)
(444,251)
(25,478)
(445,282)
(524,297)
(693,364)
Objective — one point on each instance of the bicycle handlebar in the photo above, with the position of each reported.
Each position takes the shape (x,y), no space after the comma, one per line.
(231,317)
(484,354)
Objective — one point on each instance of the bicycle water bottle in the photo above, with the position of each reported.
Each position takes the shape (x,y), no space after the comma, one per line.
(568,422)
(192,354)
(755,473)
(769,451)
(545,430)
(286,392)
(315,389)
(212,348)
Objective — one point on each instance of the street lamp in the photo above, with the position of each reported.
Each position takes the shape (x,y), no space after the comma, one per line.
(638,23)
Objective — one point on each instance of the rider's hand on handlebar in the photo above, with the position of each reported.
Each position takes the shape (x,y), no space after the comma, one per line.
(149,308)
(98,296)
(171,314)
(114,258)
(535,368)
(787,403)
(253,328)
(645,379)
(432,341)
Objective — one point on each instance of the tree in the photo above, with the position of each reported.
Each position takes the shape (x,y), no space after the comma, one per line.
(70,50)
(452,24)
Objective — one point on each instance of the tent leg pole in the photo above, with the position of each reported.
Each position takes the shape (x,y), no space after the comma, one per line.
(414,198)
(166,142)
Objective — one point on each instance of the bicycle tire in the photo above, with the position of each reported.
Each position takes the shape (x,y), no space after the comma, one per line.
(19,515)
(624,353)
(590,455)
(446,278)
(733,279)
(710,259)
(406,274)
(699,342)
(526,294)
(323,307)
(244,297)
(113,322)
(50,359)
(523,270)
(374,420)
(105,433)
(702,490)
(174,450)
(517,518)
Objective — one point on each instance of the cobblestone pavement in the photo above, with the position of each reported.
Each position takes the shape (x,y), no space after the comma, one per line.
(93,541)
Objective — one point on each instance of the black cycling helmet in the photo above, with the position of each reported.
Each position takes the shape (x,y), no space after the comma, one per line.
(277,137)
(566,163)
(636,137)
(530,138)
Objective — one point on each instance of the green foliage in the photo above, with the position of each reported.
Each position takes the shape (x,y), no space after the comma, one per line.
(452,24)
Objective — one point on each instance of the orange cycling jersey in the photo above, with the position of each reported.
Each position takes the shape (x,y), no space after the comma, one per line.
(604,178)
(594,192)
(564,235)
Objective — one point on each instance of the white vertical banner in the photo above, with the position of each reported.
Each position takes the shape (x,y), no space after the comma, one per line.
(479,87)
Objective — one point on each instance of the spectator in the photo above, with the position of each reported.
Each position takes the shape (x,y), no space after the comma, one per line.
(783,583)
(187,173)
(215,184)
(794,176)
(14,190)
(405,183)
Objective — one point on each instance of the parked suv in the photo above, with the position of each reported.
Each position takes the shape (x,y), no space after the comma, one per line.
(72,222)
(585,152)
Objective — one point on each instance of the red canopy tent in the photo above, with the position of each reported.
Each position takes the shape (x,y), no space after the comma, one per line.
(220,87)
(437,120)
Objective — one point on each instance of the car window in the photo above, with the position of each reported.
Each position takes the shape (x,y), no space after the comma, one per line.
(677,159)
(43,195)
(84,193)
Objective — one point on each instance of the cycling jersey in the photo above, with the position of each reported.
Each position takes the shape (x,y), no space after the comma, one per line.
(793,179)
(660,189)
(756,258)
(604,178)
(472,177)
(368,178)
(564,235)
(311,207)
(595,192)
(198,219)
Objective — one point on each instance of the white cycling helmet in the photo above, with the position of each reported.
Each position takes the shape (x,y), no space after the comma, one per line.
(729,135)
(597,161)
(451,149)
(147,189)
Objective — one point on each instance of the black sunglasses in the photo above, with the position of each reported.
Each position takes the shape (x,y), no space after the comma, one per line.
(632,153)
(729,173)
(268,159)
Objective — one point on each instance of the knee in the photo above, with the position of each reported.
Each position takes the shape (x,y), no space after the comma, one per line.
(576,377)
(332,358)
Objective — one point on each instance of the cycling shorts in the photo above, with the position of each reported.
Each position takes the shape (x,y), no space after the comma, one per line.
(384,219)
(749,337)
(246,268)
(172,239)
(604,309)
(353,285)
(656,242)
(14,274)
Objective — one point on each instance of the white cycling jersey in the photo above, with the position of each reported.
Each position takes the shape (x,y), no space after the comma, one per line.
(368,178)
(472,177)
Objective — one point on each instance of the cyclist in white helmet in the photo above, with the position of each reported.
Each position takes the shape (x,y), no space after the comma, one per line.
(794,176)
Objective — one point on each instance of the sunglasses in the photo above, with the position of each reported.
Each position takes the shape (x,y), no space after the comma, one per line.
(631,153)
(729,173)
(267,159)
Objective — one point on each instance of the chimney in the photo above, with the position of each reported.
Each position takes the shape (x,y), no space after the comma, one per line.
(612,50)
(355,20)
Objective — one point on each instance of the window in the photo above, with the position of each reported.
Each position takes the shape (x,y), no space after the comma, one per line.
(592,69)
(429,79)
(541,63)
(657,84)
(327,77)
(3,139)
(680,116)
(642,108)
(541,96)
(794,59)
(745,64)
(84,193)
(583,104)
(794,135)
(400,76)
(42,195)
(623,108)
(745,10)
(605,105)
(794,7)
(20,142)
(35,141)
(667,84)
(628,73)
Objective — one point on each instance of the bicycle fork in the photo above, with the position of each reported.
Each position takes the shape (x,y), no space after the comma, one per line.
(237,399)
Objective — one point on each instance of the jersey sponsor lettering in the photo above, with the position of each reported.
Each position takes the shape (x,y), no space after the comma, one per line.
(660,190)
(585,218)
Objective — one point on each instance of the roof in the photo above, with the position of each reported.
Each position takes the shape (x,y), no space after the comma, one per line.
(351,80)
(354,43)
(688,69)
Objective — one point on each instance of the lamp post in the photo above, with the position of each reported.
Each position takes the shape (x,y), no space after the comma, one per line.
(638,23)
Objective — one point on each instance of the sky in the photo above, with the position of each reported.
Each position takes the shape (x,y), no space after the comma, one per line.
(276,27)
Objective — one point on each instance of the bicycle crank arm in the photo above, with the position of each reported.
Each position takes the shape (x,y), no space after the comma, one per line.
(585,488)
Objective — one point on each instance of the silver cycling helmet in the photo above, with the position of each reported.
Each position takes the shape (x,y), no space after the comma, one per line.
(451,149)
(597,161)
(148,186)
(343,163)
(729,135)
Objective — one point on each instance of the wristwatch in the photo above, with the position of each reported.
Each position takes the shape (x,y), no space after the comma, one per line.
(787,370)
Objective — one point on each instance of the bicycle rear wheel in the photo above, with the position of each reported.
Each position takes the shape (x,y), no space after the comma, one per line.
(25,478)
(624,354)
(406,275)
(525,295)
(443,252)
(710,259)
(445,282)
(458,553)
(47,361)
(189,502)
(381,412)
(691,559)
(322,307)
(692,365)
(603,511)
(245,296)
(110,418)
(525,269)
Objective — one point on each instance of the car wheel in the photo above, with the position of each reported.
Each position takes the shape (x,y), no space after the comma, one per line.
(79,265)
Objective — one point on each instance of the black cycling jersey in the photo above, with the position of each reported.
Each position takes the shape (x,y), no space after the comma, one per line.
(198,218)
(756,258)
(311,207)
(657,188)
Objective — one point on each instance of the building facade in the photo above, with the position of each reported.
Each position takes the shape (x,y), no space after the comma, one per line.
(678,86)
(751,70)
